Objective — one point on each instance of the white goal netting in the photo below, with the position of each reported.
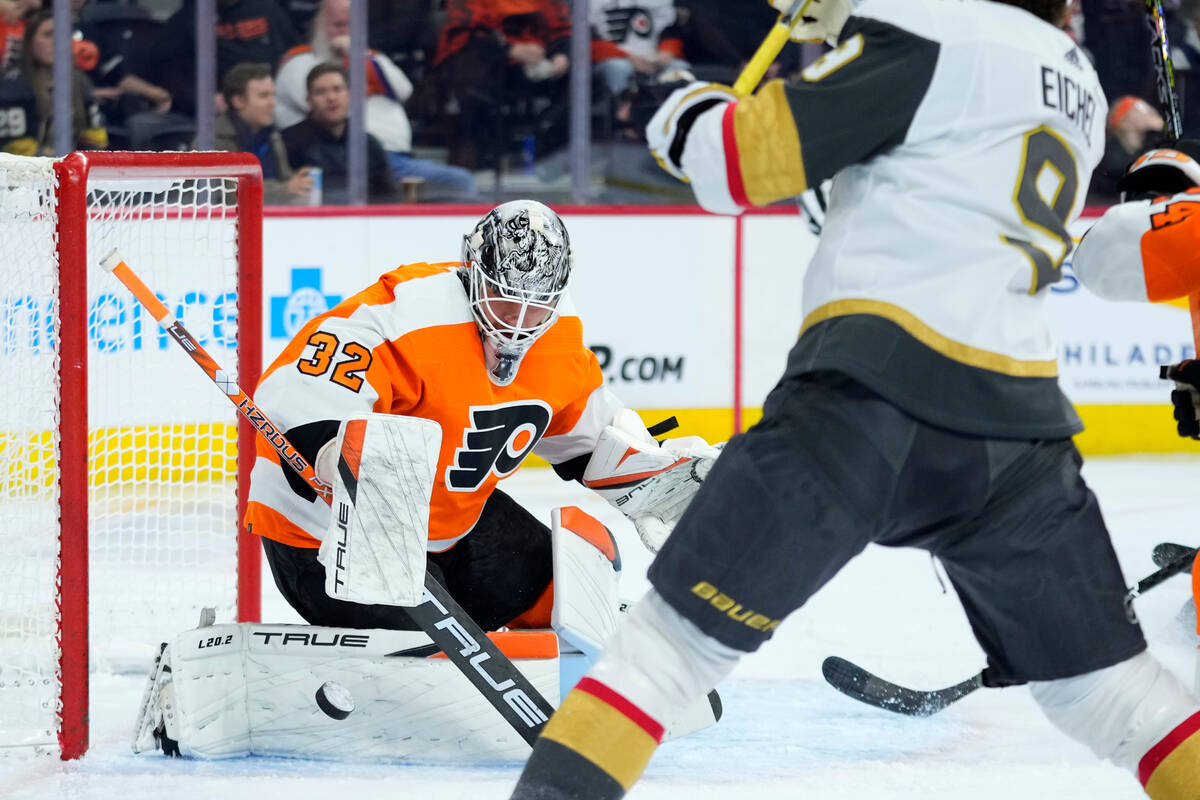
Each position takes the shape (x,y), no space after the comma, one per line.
(162,441)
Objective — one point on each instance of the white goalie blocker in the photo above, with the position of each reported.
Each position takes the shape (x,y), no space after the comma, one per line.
(381,467)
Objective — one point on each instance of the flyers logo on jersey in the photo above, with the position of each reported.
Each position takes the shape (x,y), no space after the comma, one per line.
(497,441)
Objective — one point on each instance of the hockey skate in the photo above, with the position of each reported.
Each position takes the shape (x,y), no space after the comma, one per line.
(151,730)
(155,726)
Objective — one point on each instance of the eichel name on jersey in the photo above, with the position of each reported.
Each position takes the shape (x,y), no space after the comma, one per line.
(409,345)
(1062,94)
(936,305)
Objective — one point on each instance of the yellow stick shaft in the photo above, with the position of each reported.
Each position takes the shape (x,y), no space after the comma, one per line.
(765,55)
(762,60)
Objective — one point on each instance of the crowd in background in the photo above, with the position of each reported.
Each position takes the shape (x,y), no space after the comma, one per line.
(458,91)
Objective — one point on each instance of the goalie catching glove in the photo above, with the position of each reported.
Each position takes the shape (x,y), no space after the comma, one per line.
(651,484)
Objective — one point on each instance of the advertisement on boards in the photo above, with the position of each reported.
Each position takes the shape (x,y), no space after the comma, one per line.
(654,291)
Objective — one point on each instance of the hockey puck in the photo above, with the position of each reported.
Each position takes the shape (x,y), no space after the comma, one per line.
(335,700)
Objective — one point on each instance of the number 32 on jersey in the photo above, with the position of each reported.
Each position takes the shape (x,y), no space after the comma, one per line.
(352,358)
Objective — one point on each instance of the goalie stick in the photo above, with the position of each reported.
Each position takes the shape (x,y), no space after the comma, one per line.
(1164,78)
(465,644)
(866,687)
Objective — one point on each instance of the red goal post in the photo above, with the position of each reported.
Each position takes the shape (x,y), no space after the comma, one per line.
(132,459)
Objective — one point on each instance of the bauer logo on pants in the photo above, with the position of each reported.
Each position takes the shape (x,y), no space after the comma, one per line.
(497,442)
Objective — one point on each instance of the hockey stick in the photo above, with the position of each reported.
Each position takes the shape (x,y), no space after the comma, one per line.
(765,55)
(854,681)
(1164,71)
(1166,552)
(866,687)
(1182,562)
(1164,78)
(441,618)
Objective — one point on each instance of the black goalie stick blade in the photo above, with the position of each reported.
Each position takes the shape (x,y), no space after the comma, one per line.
(854,681)
(1167,552)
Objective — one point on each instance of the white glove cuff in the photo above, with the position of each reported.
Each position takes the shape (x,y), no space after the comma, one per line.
(703,161)
(325,464)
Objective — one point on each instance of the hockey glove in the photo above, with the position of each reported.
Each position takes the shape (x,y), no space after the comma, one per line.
(815,201)
(822,20)
(1186,395)
(687,140)
(650,484)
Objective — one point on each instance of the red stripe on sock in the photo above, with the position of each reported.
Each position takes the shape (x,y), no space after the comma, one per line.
(733,167)
(1158,753)
(643,720)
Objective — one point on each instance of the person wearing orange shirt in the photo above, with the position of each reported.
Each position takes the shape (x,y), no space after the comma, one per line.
(492,350)
(493,53)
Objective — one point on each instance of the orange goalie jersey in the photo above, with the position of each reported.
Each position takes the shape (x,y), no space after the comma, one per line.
(1143,250)
(409,345)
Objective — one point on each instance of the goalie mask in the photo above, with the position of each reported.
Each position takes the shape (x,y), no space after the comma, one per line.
(516,263)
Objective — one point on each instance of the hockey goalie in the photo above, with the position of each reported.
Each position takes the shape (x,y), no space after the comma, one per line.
(412,399)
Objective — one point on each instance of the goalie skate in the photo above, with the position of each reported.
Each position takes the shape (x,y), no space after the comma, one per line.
(150,730)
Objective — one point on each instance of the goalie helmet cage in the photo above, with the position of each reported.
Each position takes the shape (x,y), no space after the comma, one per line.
(123,471)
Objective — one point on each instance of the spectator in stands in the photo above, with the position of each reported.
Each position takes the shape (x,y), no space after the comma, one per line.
(636,46)
(12,31)
(248,125)
(718,50)
(387,89)
(248,31)
(37,67)
(634,40)
(319,140)
(1133,126)
(134,108)
(491,52)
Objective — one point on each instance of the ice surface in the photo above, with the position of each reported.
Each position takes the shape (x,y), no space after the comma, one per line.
(785,733)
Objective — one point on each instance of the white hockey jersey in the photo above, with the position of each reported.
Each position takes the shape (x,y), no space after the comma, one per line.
(633,25)
(962,134)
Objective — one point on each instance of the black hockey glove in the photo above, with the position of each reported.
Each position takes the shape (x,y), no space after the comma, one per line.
(1185,396)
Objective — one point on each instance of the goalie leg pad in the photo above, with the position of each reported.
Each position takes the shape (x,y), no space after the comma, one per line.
(587,568)
(1137,715)
(335,694)
(374,551)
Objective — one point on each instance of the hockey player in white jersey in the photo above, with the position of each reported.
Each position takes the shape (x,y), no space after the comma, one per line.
(920,406)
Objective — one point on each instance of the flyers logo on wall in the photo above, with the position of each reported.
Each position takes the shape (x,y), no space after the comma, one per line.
(496,442)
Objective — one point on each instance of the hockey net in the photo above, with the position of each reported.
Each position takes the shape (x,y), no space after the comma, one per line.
(119,462)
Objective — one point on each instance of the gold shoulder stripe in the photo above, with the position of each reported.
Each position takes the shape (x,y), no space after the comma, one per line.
(768,146)
(834,60)
(955,350)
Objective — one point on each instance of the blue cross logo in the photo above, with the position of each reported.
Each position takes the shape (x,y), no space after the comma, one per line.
(306,300)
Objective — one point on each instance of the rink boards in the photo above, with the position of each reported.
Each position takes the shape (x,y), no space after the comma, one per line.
(693,314)
(690,314)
